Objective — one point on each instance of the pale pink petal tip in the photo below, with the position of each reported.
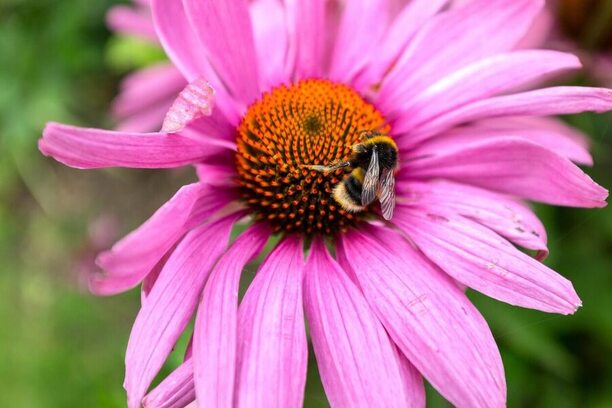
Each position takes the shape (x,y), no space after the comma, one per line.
(195,101)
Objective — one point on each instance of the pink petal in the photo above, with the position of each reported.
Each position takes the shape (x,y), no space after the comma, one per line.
(515,166)
(215,126)
(482,260)
(148,88)
(169,306)
(187,53)
(224,28)
(97,283)
(132,258)
(454,39)
(271,41)
(175,391)
(193,102)
(356,360)
(504,215)
(216,323)
(551,124)
(561,100)
(428,317)
(413,381)
(272,350)
(127,20)
(178,40)
(411,18)
(555,137)
(87,148)
(307,35)
(189,349)
(541,30)
(362,26)
(482,79)
(215,175)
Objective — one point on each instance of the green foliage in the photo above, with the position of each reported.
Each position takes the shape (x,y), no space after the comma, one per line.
(61,347)
(125,53)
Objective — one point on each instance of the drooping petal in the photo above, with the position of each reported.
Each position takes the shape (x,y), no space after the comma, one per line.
(271,41)
(454,39)
(514,166)
(361,28)
(216,323)
(86,148)
(224,28)
(272,350)
(132,258)
(482,260)
(428,317)
(562,100)
(170,305)
(559,139)
(356,359)
(195,101)
(127,20)
(175,391)
(504,215)
(306,20)
(482,79)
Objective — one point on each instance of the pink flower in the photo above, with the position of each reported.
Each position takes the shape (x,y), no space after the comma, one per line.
(294,85)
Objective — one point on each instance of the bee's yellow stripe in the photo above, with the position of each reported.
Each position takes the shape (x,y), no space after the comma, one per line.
(358,174)
(343,198)
(381,140)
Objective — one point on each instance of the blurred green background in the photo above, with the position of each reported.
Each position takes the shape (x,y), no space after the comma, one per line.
(62,347)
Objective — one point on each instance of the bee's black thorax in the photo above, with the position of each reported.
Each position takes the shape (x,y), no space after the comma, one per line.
(385,148)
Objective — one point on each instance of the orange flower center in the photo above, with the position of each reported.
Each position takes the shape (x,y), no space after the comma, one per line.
(312,122)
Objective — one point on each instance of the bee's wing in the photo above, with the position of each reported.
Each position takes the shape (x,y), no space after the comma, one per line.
(386,194)
(370,180)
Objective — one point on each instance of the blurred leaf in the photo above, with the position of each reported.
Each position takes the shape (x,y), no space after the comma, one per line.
(127,53)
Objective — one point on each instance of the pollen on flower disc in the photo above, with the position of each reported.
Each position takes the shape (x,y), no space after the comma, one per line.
(312,122)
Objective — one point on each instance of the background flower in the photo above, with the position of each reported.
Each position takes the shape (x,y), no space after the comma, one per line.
(562,325)
(581,27)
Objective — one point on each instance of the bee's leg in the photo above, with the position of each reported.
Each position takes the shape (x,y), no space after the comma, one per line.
(327,169)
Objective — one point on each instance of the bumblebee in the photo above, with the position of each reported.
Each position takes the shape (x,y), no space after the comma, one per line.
(374,162)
